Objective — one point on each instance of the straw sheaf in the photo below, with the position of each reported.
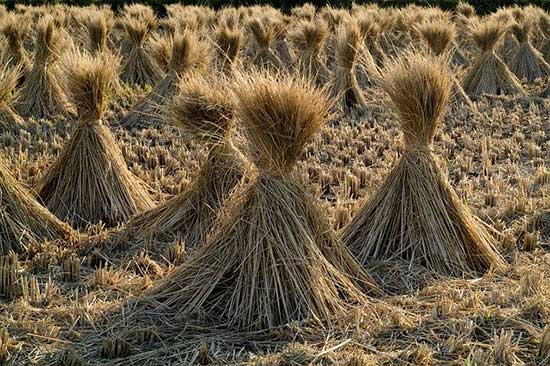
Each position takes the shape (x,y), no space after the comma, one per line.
(487,34)
(438,34)
(306,11)
(280,114)
(48,41)
(98,29)
(348,42)
(203,108)
(465,9)
(137,30)
(419,87)
(9,77)
(189,53)
(88,83)
(369,28)
(229,43)
(263,32)
(138,11)
(309,35)
(521,30)
(15,29)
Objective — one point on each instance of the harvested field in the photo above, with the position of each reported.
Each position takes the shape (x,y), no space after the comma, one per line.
(346,187)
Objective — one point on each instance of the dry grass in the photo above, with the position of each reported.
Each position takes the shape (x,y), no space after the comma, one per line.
(527,63)
(139,67)
(205,112)
(237,277)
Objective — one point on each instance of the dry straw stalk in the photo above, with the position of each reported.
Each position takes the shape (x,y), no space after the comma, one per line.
(41,94)
(23,220)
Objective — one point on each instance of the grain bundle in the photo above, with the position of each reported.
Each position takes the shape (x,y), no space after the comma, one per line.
(465,9)
(272,258)
(544,26)
(98,27)
(9,119)
(334,19)
(204,110)
(264,35)
(41,94)
(23,220)
(309,39)
(439,36)
(305,11)
(90,182)
(344,84)
(138,67)
(488,74)
(228,45)
(16,30)
(280,44)
(189,55)
(416,216)
(160,48)
(527,63)
(370,32)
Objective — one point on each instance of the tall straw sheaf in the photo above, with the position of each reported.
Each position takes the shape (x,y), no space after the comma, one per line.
(89,182)
(204,109)
(416,216)
(271,258)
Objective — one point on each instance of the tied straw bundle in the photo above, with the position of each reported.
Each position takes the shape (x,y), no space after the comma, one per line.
(416,216)
(272,257)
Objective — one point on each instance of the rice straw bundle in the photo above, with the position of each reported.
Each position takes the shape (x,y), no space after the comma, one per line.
(16,29)
(138,11)
(138,67)
(98,28)
(205,111)
(309,39)
(334,19)
(90,182)
(41,95)
(415,215)
(370,32)
(280,44)
(23,220)
(439,36)
(527,63)
(344,85)
(160,48)
(228,45)
(8,82)
(264,33)
(465,9)
(188,55)
(305,11)
(488,74)
(544,26)
(272,258)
